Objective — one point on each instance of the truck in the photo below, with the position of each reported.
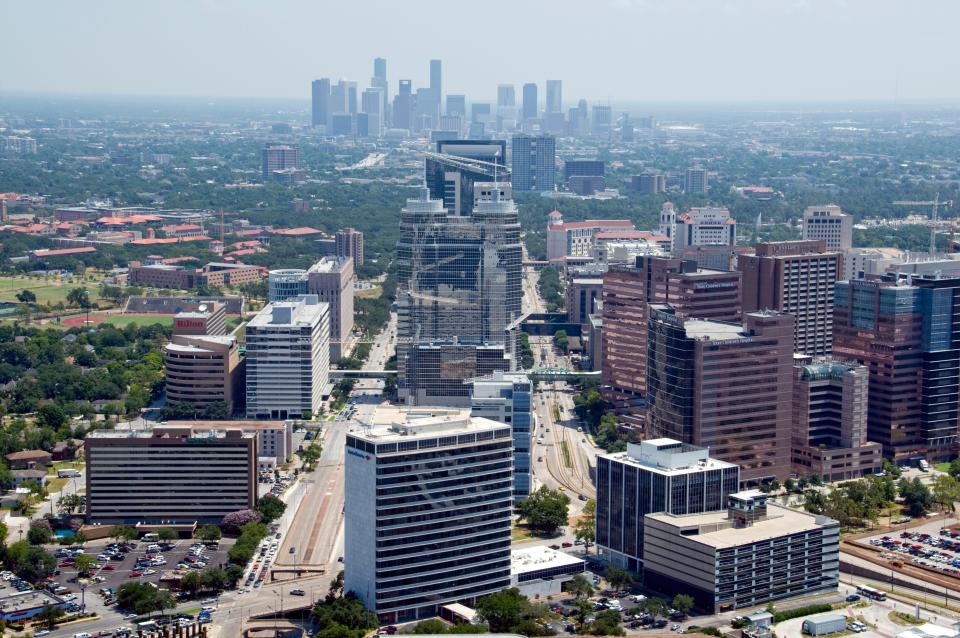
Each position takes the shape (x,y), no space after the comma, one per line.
(68,473)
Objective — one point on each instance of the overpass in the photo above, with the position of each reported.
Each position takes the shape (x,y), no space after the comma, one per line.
(362,374)
(561,374)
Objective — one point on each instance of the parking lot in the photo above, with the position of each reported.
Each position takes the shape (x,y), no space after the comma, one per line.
(932,546)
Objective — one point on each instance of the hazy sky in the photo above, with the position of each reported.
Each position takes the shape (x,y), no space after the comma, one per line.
(625,50)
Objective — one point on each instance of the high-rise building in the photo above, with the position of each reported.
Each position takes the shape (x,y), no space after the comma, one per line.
(288,359)
(202,370)
(279,157)
(459,279)
(830,224)
(795,277)
(169,474)
(726,386)
(654,476)
(786,552)
(429,499)
(452,176)
(426,111)
(628,292)
(582,295)
(436,81)
(534,162)
(530,110)
(320,107)
(350,244)
(380,75)
(584,176)
(907,332)
(209,319)
(601,120)
(373,103)
(705,226)
(506,107)
(507,397)
(830,421)
(695,180)
(648,183)
(457,105)
(403,106)
(554,96)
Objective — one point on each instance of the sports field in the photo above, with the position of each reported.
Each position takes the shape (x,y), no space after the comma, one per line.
(120,321)
(48,289)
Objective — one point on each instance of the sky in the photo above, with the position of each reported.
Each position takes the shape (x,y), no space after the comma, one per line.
(694,51)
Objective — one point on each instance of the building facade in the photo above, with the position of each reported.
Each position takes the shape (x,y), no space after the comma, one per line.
(428,511)
(508,398)
(695,180)
(575,239)
(169,474)
(288,359)
(209,319)
(202,370)
(350,244)
(828,224)
(658,475)
(751,554)
(726,386)
(795,277)
(279,157)
(533,162)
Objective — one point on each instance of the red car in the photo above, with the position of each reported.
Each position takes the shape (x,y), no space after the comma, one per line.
(136,574)
(108,568)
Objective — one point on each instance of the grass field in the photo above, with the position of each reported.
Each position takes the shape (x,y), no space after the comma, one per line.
(370,293)
(565,452)
(122,321)
(48,289)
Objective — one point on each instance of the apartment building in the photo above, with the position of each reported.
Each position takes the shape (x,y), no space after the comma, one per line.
(349,242)
(795,277)
(203,369)
(726,386)
(428,508)
(288,359)
(657,475)
(753,553)
(169,475)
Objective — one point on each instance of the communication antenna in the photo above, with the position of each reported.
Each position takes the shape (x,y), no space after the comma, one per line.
(933,225)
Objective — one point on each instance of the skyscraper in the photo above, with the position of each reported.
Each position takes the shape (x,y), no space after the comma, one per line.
(554,96)
(457,105)
(530,111)
(380,73)
(436,81)
(320,103)
(373,104)
(506,107)
(350,244)
(507,397)
(726,386)
(452,176)
(459,278)
(534,162)
(427,511)
(279,157)
(601,121)
(403,106)
(695,180)
(795,277)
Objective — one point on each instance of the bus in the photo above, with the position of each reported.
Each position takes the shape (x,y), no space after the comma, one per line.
(870,592)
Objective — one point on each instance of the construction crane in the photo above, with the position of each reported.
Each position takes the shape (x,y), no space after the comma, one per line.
(935,204)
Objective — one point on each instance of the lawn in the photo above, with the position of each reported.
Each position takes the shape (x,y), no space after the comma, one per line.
(942,467)
(55,485)
(47,289)
(368,293)
(122,321)
(64,465)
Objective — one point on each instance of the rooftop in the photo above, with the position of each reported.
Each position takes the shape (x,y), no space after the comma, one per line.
(303,311)
(539,557)
(394,423)
(168,431)
(716,531)
(15,601)
(713,330)
(669,456)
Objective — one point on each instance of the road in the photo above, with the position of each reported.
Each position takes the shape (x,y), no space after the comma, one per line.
(532,302)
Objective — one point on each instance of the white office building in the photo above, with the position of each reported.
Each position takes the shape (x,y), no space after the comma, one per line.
(830,224)
(288,359)
(428,505)
(507,397)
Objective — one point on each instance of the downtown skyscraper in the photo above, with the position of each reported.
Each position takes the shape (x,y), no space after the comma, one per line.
(458,296)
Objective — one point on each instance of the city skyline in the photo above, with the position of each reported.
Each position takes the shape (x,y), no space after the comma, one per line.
(217,56)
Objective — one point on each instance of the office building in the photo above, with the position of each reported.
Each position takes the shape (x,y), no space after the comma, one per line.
(534,162)
(342,124)
(795,277)
(162,275)
(723,385)
(648,184)
(408,559)
(506,103)
(436,81)
(530,110)
(623,247)
(907,332)
(830,401)
(628,292)
(459,279)
(507,397)
(379,80)
(331,280)
(582,295)
(403,106)
(169,475)
(752,554)
(554,96)
(457,105)
(209,319)
(575,239)
(279,157)
(288,359)
(583,167)
(654,476)
(350,244)
(705,226)
(830,224)
(601,120)
(695,180)
(320,102)
(274,438)
(203,370)
(373,103)
(458,165)
(437,373)
(426,110)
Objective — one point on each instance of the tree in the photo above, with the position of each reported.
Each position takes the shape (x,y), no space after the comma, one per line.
(79,297)
(270,508)
(954,469)
(655,606)
(26,296)
(586,528)
(916,496)
(69,503)
(49,616)
(29,562)
(191,582)
(579,586)
(51,416)
(233,521)
(209,533)
(166,534)
(946,491)
(40,532)
(619,578)
(343,617)
(545,510)
(214,578)
(84,563)
(336,586)
(891,469)
(123,533)
(163,600)
(503,610)
(790,485)
(430,626)
(683,603)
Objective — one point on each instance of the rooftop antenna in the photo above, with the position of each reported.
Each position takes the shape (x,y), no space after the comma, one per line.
(933,225)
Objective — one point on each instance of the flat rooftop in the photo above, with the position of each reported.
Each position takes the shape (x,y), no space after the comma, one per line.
(328,264)
(713,330)
(395,423)
(15,601)
(300,312)
(780,521)
(540,557)
(166,430)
